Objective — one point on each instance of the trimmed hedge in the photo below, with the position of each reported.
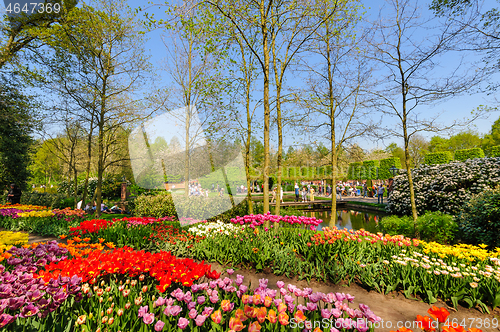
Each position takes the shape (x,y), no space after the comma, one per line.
(465,154)
(438,158)
(385,165)
(369,171)
(495,151)
(353,172)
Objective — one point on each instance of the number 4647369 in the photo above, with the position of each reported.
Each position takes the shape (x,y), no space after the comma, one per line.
(33,7)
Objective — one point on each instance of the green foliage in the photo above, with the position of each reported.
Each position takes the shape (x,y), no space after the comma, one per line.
(463,155)
(369,171)
(437,158)
(354,171)
(463,140)
(158,206)
(495,151)
(385,165)
(432,226)
(16,124)
(45,226)
(479,221)
(54,201)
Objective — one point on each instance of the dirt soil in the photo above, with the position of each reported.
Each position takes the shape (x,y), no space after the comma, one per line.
(393,308)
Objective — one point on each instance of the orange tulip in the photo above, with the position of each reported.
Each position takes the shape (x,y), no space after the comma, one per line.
(261,314)
(317,330)
(453,329)
(283,318)
(249,312)
(299,316)
(254,327)
(226,305)
(245,299)
(268,301)
(439,313)
(425,323)
(473,329)
(216,317)
(235,324)
(257,299)
(240,314)
(271,316)
(282,307)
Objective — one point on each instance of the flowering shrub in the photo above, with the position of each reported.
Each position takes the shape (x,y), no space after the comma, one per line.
(445,187)
(214,228)
(10,238)
(260,219)
(90,226)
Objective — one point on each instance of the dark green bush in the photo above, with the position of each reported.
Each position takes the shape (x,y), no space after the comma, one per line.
(479,221)
(432,226)
(438,158)
(158,206)
(354,171)
(437,226)
(54,201)
(465,154)
(395,225)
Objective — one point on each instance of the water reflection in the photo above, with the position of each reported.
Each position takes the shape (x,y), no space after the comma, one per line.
(349,219)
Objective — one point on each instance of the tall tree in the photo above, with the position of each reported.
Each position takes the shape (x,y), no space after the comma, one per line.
(410,77)
(106,44)
(17,122)
(29,32)
(337,81)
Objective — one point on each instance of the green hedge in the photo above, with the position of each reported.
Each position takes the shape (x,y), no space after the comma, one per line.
(438,158)
(354,171)
(369,171)
(465,154)
(495,151)
(385,165)
(158,206)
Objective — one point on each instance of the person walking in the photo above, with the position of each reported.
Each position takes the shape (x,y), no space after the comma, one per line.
(381,191)
(365,190)
(281,194)
(296,192)
(304,194)
(311,193)
(274,195)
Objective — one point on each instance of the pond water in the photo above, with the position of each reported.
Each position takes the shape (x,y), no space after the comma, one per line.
(350,219)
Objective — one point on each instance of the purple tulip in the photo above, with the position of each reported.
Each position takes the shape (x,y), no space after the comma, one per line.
(280,284)
(182,323)
(200,319)
(29,310)
(6,319)
(193,313)
(207,311)
(175,310)
(143,310)
(200,299)
(159,326)
(148,318)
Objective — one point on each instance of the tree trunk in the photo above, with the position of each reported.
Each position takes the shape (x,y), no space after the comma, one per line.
(89,158)
(266,108)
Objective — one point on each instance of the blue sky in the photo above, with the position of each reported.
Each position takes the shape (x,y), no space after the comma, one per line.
(454,108)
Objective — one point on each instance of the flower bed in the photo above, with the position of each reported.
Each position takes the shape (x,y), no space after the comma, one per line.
(37,219)
(260,219)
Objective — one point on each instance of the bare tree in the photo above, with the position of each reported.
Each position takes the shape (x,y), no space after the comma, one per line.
(337,84)
(410,66)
